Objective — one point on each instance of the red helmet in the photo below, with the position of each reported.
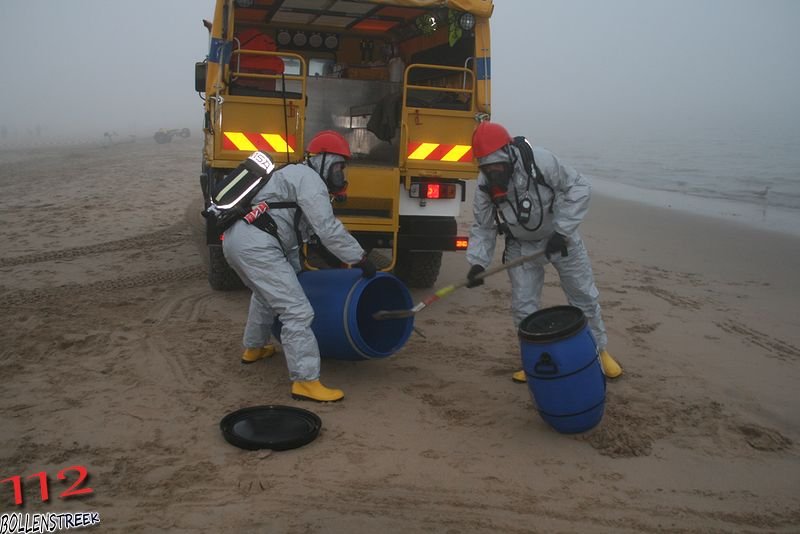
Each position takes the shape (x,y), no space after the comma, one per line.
(488,137)
(329,141)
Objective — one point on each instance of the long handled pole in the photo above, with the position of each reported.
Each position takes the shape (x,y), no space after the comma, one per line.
(443,292)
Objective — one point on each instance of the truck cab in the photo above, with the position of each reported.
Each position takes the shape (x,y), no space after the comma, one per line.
(404,81)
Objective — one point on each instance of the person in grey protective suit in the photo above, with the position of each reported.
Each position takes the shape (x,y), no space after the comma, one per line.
(267,258)
(538,210)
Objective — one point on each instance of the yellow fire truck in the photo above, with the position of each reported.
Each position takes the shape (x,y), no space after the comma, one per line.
(404,81)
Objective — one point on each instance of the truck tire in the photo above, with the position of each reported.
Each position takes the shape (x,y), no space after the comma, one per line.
(220,275)
(185,133)
(162,138)
(418,268)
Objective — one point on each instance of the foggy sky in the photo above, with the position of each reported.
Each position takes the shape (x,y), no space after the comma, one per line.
(583,67)
(635,67)
(98,65)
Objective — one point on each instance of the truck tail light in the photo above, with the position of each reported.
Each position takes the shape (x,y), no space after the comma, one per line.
(462,243)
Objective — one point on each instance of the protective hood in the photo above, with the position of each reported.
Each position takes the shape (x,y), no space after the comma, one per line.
(501,155)
(480,8)
(322,164)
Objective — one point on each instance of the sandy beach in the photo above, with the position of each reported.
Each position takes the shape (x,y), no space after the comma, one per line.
(116,355)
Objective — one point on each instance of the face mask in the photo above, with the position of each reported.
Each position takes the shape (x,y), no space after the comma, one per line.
(332,174)
(498,181)
(337,184)
(335,178)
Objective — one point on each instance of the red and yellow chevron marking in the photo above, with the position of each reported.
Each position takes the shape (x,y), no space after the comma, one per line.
(250,142)
(418,150)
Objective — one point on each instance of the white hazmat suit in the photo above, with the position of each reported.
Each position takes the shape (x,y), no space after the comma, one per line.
(569,193)
(269,266)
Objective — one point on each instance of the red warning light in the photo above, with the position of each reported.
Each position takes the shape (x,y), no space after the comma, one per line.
(432,190)
(462,243)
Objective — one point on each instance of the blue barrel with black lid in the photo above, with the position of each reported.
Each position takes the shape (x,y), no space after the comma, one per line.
(560,359)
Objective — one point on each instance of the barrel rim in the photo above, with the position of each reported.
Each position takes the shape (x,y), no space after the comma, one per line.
(351,304)
(567,332)
(354,336)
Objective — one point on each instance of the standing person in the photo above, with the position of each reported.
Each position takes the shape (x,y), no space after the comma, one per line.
(537,207)
(267,258)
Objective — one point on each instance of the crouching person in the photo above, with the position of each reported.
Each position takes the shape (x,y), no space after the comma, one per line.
(265,253)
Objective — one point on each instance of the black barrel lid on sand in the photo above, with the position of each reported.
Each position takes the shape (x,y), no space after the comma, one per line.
(270,427)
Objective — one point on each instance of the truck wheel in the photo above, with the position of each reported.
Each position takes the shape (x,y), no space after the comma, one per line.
(418,268)
(220,275)
(162,138)
(185,133)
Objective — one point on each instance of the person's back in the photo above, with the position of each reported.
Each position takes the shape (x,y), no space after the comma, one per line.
(298,183)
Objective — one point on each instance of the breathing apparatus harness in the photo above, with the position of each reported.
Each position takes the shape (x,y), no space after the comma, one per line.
(522,211)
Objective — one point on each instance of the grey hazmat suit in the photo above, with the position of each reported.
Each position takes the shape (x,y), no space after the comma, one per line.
(269,266)
(569,193)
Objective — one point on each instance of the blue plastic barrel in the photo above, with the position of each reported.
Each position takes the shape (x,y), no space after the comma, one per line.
(565,380)
(344,303)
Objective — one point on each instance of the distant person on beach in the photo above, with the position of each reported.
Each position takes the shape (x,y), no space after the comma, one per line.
(538,210)
(265,255)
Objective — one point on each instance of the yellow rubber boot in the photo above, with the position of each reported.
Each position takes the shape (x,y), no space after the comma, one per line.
(253,355)
(314,390)
(610,367)
(519,377)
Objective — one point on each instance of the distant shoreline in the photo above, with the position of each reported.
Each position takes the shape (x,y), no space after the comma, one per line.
(763,217)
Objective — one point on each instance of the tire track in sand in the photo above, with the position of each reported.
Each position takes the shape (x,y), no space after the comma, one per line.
(173,234)
(150,278)
(775,347)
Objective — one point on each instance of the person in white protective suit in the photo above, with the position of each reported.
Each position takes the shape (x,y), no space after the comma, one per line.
(538,212)
(267,259)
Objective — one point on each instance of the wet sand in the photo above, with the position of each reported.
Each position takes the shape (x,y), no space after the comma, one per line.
(116,355)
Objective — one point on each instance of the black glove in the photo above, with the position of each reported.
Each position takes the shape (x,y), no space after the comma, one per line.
(368,268)
(474,271)
(556,243)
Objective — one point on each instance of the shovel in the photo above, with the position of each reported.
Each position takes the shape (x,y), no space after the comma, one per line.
(403,314)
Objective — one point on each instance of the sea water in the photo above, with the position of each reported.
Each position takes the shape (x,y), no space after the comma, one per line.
(748,175)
